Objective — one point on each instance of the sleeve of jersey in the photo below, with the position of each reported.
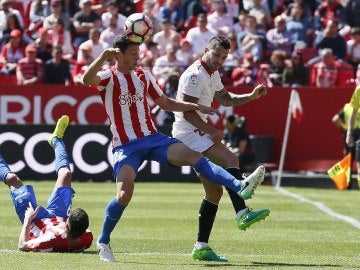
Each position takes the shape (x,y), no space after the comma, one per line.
(192,85)
(355,99)
(105,76)
(44,243)
(154,90)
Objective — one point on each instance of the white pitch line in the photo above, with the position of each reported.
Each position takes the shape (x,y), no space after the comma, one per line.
(321,206)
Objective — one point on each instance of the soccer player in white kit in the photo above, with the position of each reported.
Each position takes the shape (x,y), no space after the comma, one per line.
(124,91)
(199,84)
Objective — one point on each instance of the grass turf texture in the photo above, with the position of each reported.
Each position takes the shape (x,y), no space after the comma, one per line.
(159,228)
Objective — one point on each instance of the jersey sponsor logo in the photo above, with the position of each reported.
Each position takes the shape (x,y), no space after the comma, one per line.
(128,99)
(193,79)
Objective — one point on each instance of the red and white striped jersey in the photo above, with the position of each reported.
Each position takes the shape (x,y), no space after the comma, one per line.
(48,234)
(125,97)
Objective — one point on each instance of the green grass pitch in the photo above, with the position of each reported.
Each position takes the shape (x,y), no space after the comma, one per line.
(159,228)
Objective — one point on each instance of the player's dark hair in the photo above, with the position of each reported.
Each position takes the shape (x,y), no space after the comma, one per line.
(78,222)
(123,43)
(218,41)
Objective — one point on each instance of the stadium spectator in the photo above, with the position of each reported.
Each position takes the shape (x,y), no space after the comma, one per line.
(29,69)
(260,10)
(126,7)
(136,138)
(277,67)
(57,12)
(148,10)
(246,73)
(220,22)
(296,74)
(240,26)
(167,64)
(253,40)
(237,140)
(279,38)
(71,7)
(165,36)
(43,45)
(12,23)
(54,228)
(300,26)
(173,11)
(330,38)
(232,61)
(58,36)
(79,68)
(329,10)
(85,20)
(39,10)
(199,84)
(6,11)
(306,10)
(112,10)
(185,53)
(199,36)
(57,69)
(148,54)
(111,31)
(325,73)
(12,52)
(193,8)
(353,48)
(94,43)
(352,18)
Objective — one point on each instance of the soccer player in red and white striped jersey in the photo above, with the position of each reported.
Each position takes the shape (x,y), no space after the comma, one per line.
(125,90)
(55,227)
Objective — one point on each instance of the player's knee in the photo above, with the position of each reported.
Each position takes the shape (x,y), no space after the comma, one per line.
(193,157)
(124,197)
(231,161)
(65,175)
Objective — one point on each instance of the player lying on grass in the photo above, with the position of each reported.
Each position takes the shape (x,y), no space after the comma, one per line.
(55,227)
(125,90)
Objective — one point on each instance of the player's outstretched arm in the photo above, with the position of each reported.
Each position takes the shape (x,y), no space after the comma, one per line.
(174,105)
(30,214)
(230,99)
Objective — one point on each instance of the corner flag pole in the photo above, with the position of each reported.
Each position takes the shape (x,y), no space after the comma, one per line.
(285,140)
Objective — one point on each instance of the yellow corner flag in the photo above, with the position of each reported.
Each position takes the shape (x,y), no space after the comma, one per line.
(340,173)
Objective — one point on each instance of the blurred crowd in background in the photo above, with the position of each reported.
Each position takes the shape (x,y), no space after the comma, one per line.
(275,42)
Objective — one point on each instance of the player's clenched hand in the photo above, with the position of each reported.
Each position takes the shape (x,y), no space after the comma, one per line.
(259,91)
(208,110)
(30,213)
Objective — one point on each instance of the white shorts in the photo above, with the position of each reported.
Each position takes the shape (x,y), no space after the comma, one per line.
(195,140)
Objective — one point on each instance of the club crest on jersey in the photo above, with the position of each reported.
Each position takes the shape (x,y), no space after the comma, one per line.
(129,99)
(193,79)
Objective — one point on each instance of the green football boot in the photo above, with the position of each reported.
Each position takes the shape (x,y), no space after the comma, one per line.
(206,254)
(60,128)
(250,217)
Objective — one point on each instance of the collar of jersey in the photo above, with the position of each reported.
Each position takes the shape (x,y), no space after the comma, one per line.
(206,67)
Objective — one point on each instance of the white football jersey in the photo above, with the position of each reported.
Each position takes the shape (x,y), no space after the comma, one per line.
(197,81)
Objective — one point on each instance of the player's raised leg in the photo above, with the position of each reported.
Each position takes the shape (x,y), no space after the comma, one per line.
(180,155)
(62,164)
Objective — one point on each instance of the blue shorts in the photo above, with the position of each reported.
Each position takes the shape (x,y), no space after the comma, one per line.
(59,203)
(135,152)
